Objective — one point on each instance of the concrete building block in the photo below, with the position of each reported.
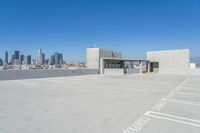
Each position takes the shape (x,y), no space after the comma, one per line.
(171,61)
(95,54)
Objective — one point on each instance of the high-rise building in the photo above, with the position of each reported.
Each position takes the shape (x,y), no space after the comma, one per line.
(61,59)
(52,60)
(41,57)
(6,57)
(1,62)
(46,61)
(58,58)
(17,54)
(21,58)
(12,59)
(27,60)
(16,62)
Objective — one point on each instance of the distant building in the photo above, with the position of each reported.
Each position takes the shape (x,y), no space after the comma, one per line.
(1,62)
(40,57)
(21,58)
(46,61)
(52,60)
(6,57)
(192,66)
(43,58)
(61,59)
(16,62)
(17,54)
(12,59)
(58,58)
(27,60)
(34,62)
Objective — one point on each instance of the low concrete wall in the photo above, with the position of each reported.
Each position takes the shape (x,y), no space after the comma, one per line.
(114,71)
(176,71)
(195,71)
(28,74)
(132,71)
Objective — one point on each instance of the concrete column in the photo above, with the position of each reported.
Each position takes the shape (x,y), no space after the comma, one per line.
(101,66)
(149,66)
(141,66)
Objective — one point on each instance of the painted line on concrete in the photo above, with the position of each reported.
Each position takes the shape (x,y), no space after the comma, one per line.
(136,128)
(181,101)
(160,105)
(138,125)
(178,119)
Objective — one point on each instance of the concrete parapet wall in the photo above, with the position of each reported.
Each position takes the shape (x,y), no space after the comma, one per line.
(29,74)
(115,71)
(194,71)
(132,71)
(177,71)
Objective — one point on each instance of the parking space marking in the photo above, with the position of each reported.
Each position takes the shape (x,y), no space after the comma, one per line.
(172,93)
(158,107)
(182,101)
(173,118)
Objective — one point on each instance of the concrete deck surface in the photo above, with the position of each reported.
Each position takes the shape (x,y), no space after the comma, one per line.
(149,103)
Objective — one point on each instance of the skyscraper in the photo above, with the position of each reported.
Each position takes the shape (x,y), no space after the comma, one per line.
(52,60)
(27,60)
(41,57)
(17,54)
(58,58)
(1,62)
(6,57)
(21,58)
(61,59)
(12,59)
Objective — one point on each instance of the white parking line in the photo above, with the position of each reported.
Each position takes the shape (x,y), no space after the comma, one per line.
(162,103)
(173,118)
(182,101)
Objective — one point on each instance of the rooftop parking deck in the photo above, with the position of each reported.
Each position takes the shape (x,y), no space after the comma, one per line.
(150,103)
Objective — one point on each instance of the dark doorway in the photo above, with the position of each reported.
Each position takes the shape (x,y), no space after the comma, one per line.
(153,66)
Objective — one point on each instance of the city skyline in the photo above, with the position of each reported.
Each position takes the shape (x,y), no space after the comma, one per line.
(70,27)
(16,57)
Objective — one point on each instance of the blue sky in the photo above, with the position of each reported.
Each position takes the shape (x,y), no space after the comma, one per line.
(70,26)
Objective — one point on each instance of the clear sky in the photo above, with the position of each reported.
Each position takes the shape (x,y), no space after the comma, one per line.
(70,26)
